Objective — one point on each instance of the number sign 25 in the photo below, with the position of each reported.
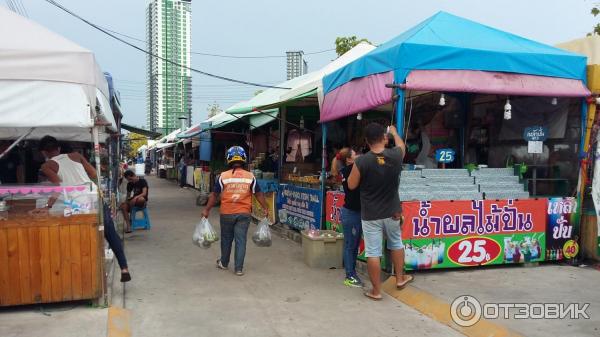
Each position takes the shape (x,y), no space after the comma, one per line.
(444,155)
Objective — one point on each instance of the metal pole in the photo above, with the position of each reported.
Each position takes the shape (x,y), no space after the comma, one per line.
(323,168)
(95,138)
(283,117)
(15,143)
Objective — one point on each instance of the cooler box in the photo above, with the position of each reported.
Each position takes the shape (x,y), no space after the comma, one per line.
(323,251)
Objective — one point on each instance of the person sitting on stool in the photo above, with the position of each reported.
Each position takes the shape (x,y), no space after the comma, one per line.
(139,188)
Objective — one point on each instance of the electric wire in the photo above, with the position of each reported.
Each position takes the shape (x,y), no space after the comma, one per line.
(221,55)
(66,10)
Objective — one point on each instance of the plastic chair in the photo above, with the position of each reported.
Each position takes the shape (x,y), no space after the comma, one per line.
(141,222)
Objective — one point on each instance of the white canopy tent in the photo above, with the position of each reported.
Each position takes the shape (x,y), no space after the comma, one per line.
(48,83)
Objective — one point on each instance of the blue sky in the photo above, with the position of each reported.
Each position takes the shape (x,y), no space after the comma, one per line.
(270,27)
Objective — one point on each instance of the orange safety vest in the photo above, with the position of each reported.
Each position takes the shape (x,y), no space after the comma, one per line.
(237,188)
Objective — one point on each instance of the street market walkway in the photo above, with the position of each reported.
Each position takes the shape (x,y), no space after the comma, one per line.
(177,291)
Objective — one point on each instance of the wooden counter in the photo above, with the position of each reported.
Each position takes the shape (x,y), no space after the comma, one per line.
(50,259)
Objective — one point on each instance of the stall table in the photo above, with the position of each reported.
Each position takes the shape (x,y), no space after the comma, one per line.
(50,259)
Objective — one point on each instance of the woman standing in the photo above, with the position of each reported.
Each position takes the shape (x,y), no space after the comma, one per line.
(351,222)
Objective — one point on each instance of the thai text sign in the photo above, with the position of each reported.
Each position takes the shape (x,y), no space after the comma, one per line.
(563,226)
(443,234)
(300,207)
(535,134)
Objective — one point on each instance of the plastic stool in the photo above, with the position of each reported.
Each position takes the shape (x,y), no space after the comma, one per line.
(143,222)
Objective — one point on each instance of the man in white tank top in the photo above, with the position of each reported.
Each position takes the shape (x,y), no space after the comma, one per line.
(73,169)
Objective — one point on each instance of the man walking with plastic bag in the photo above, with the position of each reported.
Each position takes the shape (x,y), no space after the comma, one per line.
(236,187)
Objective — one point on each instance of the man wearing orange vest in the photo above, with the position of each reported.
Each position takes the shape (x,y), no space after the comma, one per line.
(236,187)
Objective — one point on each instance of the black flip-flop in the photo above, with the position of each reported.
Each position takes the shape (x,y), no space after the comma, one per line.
(125,277)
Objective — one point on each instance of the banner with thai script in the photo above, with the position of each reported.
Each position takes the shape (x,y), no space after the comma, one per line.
(562,235)
(299,207)
(466,233)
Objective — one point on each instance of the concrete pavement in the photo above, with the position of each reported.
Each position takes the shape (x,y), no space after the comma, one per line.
(177,291)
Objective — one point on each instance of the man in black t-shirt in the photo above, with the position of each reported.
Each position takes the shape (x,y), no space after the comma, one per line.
(137,196)
(377,174)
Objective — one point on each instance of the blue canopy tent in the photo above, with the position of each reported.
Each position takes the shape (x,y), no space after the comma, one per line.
(452,54)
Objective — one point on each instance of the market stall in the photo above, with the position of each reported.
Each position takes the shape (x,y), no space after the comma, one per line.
(301,160)
(493,125)
(50,86)
(590,172)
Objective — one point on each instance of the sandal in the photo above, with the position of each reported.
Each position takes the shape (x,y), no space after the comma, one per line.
(372,297)
(407,280)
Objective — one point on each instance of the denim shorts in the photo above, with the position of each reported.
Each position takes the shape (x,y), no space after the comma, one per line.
(373,235)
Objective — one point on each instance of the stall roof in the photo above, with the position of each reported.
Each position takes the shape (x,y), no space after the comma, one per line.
(262,118)
(299,87)
(192,131)
(48,82)
(446,42)
(449,42)
(171,137)
(140,131)
(589,46)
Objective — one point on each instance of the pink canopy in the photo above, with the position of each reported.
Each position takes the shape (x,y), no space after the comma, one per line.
(369,92)
(484,82)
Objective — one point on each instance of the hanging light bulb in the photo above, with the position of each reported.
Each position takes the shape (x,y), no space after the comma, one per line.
(301,122)
(554,101)
(442,100)
(359,116)
(507,110)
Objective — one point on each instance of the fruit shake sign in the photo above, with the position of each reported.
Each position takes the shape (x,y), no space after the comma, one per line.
(467,233)
(563,229)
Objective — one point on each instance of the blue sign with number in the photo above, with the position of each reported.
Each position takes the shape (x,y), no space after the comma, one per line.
(535,134)
(445,156)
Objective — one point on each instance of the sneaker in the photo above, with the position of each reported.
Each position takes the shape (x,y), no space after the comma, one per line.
(353,282)
(220,265)
(239,273)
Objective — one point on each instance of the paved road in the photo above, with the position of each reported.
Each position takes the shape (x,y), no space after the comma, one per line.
(177,291)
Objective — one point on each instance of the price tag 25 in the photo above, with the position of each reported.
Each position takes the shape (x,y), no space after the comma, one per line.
(474,251)
(445,156)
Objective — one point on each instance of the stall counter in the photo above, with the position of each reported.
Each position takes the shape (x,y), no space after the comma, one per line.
(50,259)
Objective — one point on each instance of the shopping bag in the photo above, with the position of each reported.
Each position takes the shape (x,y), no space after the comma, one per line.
(204,234)
(262,236)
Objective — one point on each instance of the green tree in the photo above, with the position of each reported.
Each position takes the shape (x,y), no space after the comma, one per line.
(345,43)
(213,110)
(595,11)
(135,142)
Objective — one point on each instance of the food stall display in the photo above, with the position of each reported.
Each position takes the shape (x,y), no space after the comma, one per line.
(492,135)
(56,89)
(49,258)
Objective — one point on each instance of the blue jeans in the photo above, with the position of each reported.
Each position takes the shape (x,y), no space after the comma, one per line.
(234,226)
(352,233)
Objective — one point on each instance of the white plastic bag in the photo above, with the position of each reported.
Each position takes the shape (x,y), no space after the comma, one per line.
(204,234)
(262,236)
